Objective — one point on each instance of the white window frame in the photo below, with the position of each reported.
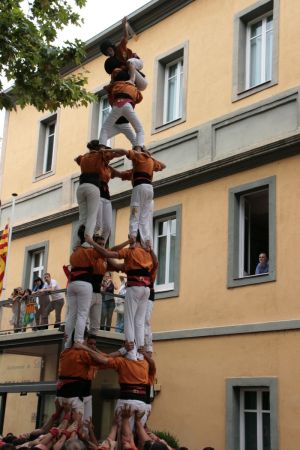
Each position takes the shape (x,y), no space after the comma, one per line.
(167,286)
(242,219)
(236,233)
(46,146)
(263,78)
(37,270)
(178,90)
(177,55)
(259,415)
(102,110)
(44,136)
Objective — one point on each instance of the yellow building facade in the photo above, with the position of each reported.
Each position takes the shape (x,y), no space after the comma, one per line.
(222,111)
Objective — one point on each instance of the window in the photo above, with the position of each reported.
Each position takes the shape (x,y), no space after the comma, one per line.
(255,53)
(48,150)
(167,224)
(165,236)
(99,113)
(251,414)
(170,97)
(259,51)
(251,232)
(173,91)
(35,263)
(255,419)
(253,229)
(104,110)
(46,146)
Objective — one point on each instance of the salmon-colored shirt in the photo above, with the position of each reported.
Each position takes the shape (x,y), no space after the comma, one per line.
(95,162)
(130,372)
(77,363)
(122,87)
(142,162)
(123,53)
(86,257)
(136,258)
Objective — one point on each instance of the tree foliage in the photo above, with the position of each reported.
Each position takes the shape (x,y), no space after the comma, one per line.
(29,56)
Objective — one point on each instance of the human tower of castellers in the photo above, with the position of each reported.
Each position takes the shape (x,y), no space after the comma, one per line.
(71,425)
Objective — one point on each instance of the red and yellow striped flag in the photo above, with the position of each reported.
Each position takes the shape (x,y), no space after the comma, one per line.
(3,254)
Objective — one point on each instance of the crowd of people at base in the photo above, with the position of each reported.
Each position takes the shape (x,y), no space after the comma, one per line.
(66,430)
(70,427)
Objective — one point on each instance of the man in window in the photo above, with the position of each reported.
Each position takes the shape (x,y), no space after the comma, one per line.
(263,265)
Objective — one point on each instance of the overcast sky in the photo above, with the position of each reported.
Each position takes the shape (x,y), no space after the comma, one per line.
(98,16)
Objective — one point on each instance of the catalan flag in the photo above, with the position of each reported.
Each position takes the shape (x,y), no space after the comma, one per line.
(3,254)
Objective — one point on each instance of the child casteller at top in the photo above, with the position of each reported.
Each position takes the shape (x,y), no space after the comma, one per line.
(122,58)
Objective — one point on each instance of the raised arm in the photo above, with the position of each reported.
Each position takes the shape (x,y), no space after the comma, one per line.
(116,248)
(115,266)
(117,151)
(158,165)
(127,436)
(98,357)
(150,361)
(140,430)
(103,251)
(125,29)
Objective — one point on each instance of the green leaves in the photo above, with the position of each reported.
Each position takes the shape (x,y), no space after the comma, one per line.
(29,57)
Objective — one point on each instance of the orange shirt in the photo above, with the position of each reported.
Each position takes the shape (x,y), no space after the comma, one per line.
(143,163)
(130,372)
(122,87)
(136,258)
(76,363)
(95,162)
(86,257)
(123,53)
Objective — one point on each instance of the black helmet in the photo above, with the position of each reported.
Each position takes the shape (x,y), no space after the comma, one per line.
(93,144)
(105,44)
(111,64)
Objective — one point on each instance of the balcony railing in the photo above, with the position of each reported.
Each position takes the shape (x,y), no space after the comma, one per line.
(17,323)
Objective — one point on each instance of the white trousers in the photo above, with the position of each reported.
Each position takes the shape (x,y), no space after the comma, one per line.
(116,112)
(134,405)
(88,408)
(140,82)
(135,307)
(148,330)
(95,313)
(141,212)
(74,403)
(104,218)
(88,197)
(79,295)
(124,128)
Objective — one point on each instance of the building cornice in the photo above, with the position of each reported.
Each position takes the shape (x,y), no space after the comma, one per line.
(53,335)
(140,20)
(111,338)
(256,157)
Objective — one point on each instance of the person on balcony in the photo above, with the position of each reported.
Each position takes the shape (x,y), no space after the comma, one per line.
(108,302)
(42,301)
(56,300)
